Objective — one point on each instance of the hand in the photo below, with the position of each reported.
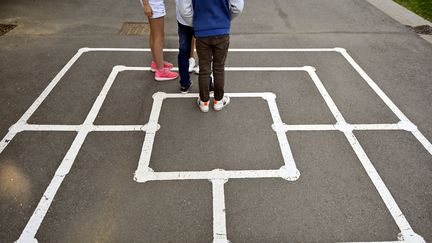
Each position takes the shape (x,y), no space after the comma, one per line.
(148,11)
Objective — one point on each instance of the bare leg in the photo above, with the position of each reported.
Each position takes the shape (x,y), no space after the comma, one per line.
(156,40)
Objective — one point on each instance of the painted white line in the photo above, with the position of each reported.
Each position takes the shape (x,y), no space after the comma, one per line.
(50,87)
(329,127)
(230,69)
(316,127)
(328,100)
(69,128)
(6,140)
(342,51)
(36,219)
(46,127)
(376,242)
(24,118)
(30,230)
(290,170)
(87,49)
(374,86)
(407,232)
(119,128)
(147,148)
(264,95)
(126,128)
(34,223)
(91,117)
(210,175)
(376,127)
(423,140)
(219,217)
(342,125)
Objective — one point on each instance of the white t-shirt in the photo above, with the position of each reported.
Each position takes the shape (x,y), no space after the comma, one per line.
(179,17)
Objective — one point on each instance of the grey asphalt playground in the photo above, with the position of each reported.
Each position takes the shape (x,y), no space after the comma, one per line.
(365,180)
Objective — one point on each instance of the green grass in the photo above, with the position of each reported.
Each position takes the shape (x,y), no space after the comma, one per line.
(420,7)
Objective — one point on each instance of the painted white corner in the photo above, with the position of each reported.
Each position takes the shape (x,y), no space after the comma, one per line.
(289,174)
(410,238)
(407,126)
(143,175)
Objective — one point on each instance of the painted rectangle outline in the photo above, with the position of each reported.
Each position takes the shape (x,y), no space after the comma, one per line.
(407,234)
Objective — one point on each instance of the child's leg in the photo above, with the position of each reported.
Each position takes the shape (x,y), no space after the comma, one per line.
(192,51)
(220,51)
(185,34)
(204,51)
(156,40)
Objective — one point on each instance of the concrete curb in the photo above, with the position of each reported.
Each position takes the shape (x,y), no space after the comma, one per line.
(401,14)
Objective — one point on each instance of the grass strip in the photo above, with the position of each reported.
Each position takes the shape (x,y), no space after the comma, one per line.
(420,7)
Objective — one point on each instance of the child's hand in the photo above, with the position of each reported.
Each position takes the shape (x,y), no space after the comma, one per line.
(148,10)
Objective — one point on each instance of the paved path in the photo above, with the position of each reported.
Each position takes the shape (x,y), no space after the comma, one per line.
(327,138)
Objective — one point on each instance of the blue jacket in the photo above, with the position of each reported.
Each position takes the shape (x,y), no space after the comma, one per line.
(210,17)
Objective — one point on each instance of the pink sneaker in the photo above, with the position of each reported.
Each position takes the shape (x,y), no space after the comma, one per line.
(166,65)
(164,75)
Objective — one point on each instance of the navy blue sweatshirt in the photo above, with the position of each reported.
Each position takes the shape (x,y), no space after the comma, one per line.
(210,17)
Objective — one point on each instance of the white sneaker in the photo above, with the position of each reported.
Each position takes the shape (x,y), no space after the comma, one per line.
(204,106)
(192,64)
(219,105)
(196,69)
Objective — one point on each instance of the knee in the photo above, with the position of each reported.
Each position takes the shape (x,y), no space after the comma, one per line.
(218,67)
(205,72)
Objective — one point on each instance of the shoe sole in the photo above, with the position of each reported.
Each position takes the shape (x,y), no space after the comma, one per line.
(154,70)
(165,79)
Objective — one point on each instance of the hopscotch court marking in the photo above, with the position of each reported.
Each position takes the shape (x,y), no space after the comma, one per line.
(217,177)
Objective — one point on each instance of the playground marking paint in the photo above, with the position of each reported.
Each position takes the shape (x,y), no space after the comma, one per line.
(217,177)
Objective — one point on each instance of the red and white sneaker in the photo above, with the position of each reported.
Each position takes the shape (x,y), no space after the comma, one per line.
(220,104)
(166,65)
(164,75)
(204,106)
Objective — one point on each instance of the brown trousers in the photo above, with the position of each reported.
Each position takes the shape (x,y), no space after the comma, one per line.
(212,49)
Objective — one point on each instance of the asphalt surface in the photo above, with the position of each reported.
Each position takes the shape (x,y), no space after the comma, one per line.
(333,201)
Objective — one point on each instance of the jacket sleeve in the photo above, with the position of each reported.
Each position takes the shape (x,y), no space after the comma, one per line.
(186,11)
(236,7)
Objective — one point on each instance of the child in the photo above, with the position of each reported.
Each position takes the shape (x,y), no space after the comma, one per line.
(211,20)
(186,48)
(186,59)
(155,11)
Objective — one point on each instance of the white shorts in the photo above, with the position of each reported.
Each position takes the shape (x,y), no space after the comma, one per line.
(158,8)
